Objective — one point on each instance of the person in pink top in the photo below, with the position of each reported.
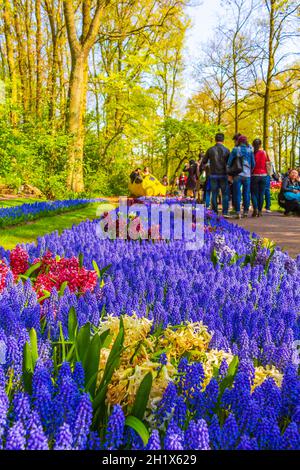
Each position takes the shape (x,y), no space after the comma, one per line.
(259,178)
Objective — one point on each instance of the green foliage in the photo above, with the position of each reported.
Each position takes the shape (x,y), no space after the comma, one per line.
(142,397)
(30,357)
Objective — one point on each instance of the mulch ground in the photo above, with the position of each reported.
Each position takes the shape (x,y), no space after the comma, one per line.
(284,231)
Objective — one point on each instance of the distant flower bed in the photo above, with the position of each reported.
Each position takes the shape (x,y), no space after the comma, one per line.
(32,211)
(276,185)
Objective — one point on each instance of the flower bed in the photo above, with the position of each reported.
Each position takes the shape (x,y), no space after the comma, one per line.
(36,210)
(202,357)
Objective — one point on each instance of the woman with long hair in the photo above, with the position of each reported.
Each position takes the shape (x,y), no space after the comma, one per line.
(259,178)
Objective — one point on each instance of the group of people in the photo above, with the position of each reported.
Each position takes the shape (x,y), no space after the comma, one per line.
(240,176)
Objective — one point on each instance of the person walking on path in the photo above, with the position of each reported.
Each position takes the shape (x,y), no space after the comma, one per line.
(259,178)
(217,157)
(242,182)
(268,193)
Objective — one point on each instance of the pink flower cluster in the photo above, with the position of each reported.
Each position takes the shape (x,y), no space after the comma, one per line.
(3,273)
(19,261)
(55,272)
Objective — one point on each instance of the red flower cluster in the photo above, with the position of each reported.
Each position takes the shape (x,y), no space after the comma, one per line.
(54,272)
(3,273)
(19,261)
(276,184)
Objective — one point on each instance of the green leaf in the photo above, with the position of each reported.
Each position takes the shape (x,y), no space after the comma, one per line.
(46,296)
(31,270)
(92,363)
(34,346)
(229,379)
(62,341)
(96,268)
(27,358)
(27,368)
(72,324)
(82,343)
(71,357)
(104,270)
(142,397)
(62,289)
(112,363)
(80,258)
(214,257)
(101,272)
(139,427)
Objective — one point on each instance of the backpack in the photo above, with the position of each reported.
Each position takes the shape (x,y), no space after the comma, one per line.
(237,165)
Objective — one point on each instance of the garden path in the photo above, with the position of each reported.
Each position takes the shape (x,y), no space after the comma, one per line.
(284,231)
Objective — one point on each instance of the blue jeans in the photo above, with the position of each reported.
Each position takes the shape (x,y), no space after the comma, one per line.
(238,183)
(217,183)
(258,188)
(207,193)
(268,193)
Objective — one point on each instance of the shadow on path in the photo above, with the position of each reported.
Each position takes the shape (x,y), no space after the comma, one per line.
(284,231)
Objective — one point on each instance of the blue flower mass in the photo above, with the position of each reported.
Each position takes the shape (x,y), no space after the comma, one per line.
(245,292)
(32,211)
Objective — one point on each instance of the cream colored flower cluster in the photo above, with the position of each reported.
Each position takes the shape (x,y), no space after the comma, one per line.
(142,351)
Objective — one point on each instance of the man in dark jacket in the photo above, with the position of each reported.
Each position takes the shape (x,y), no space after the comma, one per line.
(217,157)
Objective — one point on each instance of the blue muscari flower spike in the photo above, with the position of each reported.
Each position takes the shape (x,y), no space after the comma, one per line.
(230,433)
(180,411)
(36,438)
(64,372)
(223,369)
(83,422)
(115,429)
(268,435)
(78,374)
(2,377)
(4,405)
(196,436)
(247,443)
(167,403)
(291,438)
(154,441)
(94,442)
(21,407)
(64,438)
(16,437)
(174,439)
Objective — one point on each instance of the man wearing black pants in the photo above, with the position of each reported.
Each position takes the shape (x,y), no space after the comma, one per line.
(217,157)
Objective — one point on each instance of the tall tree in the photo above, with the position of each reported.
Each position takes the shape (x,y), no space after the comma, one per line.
(79,48)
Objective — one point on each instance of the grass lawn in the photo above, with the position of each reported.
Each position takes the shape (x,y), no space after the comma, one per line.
(17,201)
(28,232)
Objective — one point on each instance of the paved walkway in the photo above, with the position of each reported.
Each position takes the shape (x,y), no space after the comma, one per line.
(285,231)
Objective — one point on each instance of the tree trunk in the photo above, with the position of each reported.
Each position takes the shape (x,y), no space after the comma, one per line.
(21,61)
(235,86)
(11,62)
(75,122)
(38,58)
(280,148)
(268,84)
(275,145)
